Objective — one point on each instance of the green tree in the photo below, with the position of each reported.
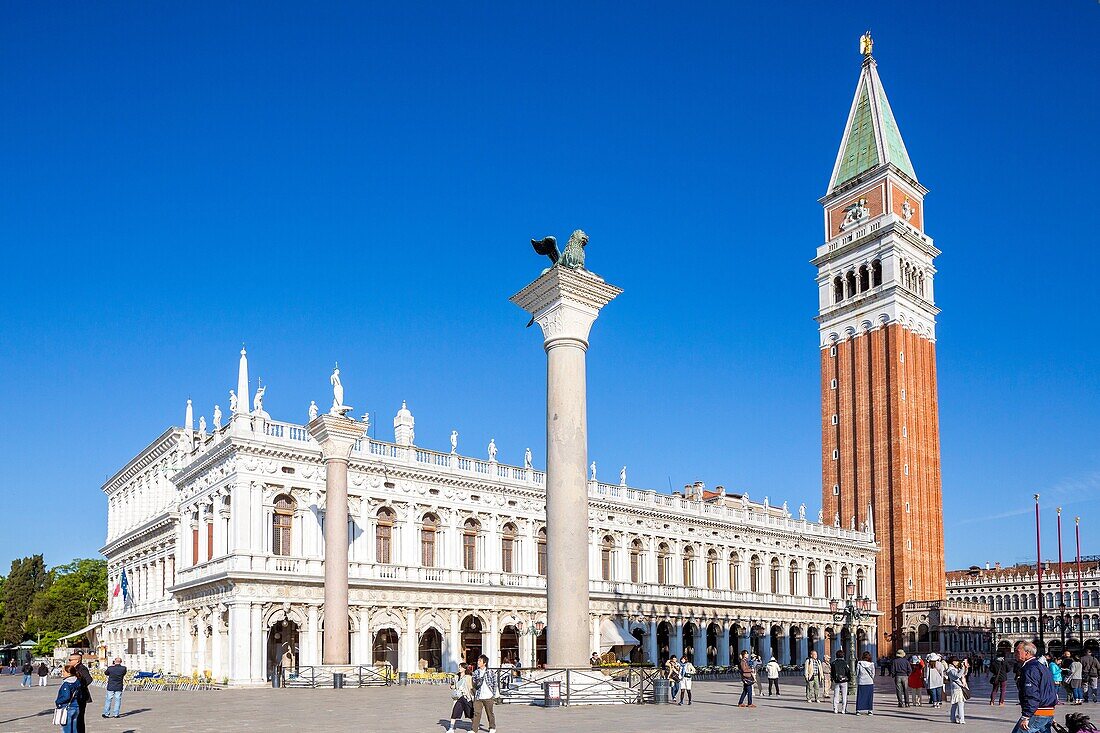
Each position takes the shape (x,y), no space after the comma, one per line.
(74,592)
(27,578)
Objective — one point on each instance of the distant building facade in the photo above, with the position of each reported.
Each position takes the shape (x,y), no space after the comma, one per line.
(1011,596)
(221,535)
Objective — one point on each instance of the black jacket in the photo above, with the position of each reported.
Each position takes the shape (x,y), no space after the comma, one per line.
(838,671)
(28,668)
(1090,666)
(900,667)
(85,678)
(998,670)
(116,676)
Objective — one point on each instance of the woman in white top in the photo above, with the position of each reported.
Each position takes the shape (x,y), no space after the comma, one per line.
(865,685)
(687,671)
(956,684)
(462,692)
(773,669)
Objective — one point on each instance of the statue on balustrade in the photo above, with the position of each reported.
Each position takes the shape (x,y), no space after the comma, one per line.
(217,418)
(622,476)
(202,426)
(802,512)
(258,402)
(592,468)
(492,450)
(454,441)
(232,402)
(338,406)
(313,410)
(527,459)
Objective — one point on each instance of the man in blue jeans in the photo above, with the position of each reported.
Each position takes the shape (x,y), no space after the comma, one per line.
(28,669)
(1036,687)
(116,674)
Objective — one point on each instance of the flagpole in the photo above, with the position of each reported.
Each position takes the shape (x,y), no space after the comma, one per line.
(1039,575)
(1077,531)
(1061,584)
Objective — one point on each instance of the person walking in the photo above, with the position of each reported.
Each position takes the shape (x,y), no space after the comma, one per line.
(76,661)
(687,671)
(838,673)
(116,678)
(748,679)
(916,680)
(675,676)
(1055,674)
(485,692)
(933,680)
(1076,675)
(998,678)
(815,675)
(1036,687)
(773,669)
(900,669)
(43,673)
(462,692)
(1090,675)
(67,702)
(865,685)
(957,689)
(28,670)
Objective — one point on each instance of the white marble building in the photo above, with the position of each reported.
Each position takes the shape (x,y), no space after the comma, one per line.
(221,537)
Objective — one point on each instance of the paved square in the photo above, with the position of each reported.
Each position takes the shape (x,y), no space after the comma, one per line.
(421,709)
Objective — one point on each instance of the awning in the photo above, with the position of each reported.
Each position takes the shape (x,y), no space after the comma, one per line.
(612,636)
(83,631)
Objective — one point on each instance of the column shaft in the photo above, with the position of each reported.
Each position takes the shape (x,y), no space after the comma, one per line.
(336,562)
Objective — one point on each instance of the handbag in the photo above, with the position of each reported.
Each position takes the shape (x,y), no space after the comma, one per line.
(456,694)
(61,716)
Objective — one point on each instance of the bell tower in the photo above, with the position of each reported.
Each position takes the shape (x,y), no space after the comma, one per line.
(880,450)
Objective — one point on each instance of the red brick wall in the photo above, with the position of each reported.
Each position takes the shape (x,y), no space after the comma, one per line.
(874,453)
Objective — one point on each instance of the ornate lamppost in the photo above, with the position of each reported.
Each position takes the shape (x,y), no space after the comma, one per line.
(532,630)
(853,611)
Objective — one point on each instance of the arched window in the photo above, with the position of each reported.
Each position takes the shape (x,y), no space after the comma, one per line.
(850,282)
(876,273)
(774,575)
(429,532)
(383,535)
(811,580)
(735,571)
(636,561)
(864,278)
(607,547)
(540,546)
(860,589)
(1000,604)
(712,569)
(829,582)
(754,573)
(792,578)
(507,548)
(470,532)
(838,289)
(662,564)
(281,521)
(689,566)
(1015,603)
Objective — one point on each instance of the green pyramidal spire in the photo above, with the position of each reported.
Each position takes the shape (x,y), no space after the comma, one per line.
(871,137)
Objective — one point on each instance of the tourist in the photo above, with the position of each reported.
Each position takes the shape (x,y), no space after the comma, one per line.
(773,669)
(462,692)
(759,674)
(957,689)
(900,669)
(748,679)
(1036,688)
(76,662)
(1066,664)
(43,673)
(67,702)
(687,671)
(815,675)
(916,680)
(933,680)
(1090,675)
(112,701)
(998,677)
(840,676)
(1055,673)
(865,685)
(1076,674)
(672,668)
(594,660)
(28,670)
(485,692)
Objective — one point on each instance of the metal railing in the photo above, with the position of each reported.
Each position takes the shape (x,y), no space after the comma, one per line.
(611,685)
(322,675)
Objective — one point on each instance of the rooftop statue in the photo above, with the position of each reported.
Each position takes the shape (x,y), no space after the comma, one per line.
(232,402)
(258,401)
(492,450)
(622,476)
(338,406)
(217,417)
(202,426)
(572,257)
(527,459)
(454,441)
(313,410)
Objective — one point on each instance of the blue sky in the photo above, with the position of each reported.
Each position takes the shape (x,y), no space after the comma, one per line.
(359,182)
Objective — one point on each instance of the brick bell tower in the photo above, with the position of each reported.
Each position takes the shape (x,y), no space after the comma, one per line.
(880,449)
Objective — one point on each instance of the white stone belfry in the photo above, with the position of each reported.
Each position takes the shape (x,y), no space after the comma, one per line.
(566,303)
(404,432)
(337,435)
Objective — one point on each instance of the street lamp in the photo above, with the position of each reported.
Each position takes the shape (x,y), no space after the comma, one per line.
(532,630)
(850,610)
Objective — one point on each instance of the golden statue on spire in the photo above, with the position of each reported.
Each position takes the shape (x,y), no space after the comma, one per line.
(865,43)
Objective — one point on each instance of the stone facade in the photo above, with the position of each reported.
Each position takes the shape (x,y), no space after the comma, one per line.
(1011,597)
(222,539)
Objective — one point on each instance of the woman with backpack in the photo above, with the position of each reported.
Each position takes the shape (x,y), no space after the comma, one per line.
(462,692)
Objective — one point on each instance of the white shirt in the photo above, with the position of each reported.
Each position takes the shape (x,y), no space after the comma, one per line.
(484,692)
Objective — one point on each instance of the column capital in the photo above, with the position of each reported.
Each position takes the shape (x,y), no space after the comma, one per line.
(565,303)
(336,434)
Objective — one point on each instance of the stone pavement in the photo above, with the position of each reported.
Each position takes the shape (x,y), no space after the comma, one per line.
(421,708)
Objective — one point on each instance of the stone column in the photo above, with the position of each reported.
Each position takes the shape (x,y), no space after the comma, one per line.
(700,659)
(651,650)
(337,436)
(257,635)
(454,643)
(676,639)
(565,303)
(724,645)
